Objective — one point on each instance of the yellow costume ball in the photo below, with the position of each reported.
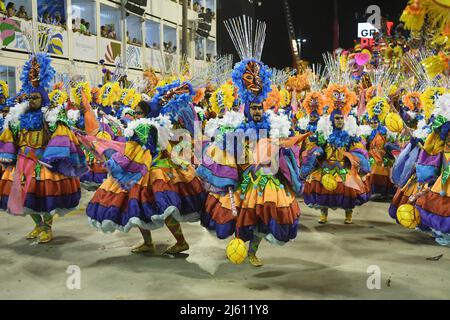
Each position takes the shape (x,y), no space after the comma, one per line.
(329,182)
(408,216)
(393,122)
(236,251)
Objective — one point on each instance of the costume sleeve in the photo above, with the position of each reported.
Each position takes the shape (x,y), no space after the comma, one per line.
(357,149)
(8,150)
(290,167)
(64,154)
(128,168)
(309,159)
(429,161)
(404,166)
(218,168)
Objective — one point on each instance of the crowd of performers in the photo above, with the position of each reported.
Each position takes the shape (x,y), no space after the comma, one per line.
(373,123)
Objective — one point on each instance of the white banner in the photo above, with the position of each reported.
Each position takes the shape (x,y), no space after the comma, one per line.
(109,50)
(12,33)
(134,57)
(84,47)
(55,38)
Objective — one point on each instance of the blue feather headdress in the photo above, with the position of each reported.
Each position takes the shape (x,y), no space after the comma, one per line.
(174,99)
(46,72)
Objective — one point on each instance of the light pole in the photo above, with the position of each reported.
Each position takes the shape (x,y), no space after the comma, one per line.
(299,43)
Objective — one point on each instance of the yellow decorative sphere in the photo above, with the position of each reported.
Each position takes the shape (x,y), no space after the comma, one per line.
(236,251)
(104,135)
(408,216)
(329,182)
(393,122)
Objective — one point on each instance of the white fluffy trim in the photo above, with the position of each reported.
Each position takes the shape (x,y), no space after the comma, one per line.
(211,127)
(324,126)
(51,114)
(422,130)
(351,126)
(302,123)
(279,125)
(161,123)
(73,115)
(14,114)
(443,106)
(364,130)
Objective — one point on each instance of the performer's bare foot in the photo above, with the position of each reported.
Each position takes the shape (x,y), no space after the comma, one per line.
(144,247)
(177,248)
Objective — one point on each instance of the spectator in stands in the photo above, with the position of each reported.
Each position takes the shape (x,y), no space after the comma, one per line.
(196,6)
(58,19)
(112,32)
(83,26)
(46,18)
(87,25)
(10,9)
(22,13)
(104,32)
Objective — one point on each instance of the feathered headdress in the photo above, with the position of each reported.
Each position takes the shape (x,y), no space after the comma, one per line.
(378,107)
(222,99)
(319,106)
(429,98)
(340,94)
(78,90)
(250,75)
(174,99)
(37,72)
(4,89)
(57,97)
(109,93)
(126,96)
(409,98)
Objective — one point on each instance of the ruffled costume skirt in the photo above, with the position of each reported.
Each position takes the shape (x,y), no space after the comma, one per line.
(264,205)
(343,197)
(51,193)
(381,182)
(164,191)
(434,209)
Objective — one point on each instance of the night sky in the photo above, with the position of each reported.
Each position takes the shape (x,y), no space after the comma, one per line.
(313,20)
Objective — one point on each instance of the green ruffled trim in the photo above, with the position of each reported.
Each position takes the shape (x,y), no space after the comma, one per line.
(336,171)
(260,182)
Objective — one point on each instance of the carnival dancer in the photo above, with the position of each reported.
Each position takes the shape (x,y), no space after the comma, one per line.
(148,187)
(249,198)
(381,143)
(335,167)
(434,203)
(41,154)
